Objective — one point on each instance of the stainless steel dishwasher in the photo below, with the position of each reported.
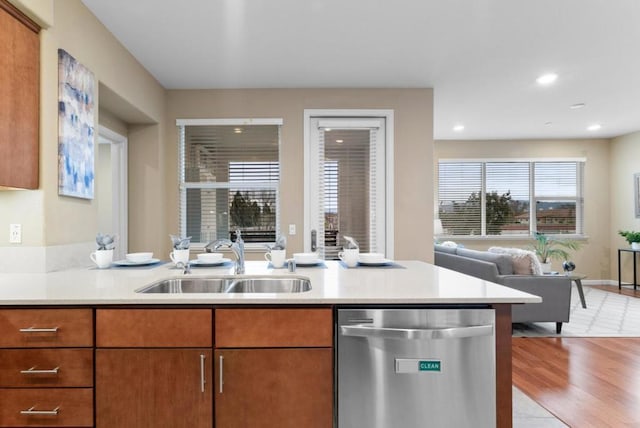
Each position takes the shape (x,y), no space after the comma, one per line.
(410,368)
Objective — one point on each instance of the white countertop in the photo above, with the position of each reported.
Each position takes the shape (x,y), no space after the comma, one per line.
(415,283)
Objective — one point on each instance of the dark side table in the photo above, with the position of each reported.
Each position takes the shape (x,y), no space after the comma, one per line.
(634,253)
(577,279)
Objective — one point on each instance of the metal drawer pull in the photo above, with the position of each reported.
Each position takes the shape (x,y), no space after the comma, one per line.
(39,330)
(33,370)
(417,333)
(31,412)
(221,371)
(202,379)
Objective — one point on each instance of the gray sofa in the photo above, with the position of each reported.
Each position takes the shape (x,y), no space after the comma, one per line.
(555,290)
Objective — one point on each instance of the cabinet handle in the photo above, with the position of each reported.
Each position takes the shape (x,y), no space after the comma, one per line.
(33,370)
(39,330)
(221,373)
(202,378)
(31,412)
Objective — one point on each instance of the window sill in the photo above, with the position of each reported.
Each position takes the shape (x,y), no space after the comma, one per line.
(506,238)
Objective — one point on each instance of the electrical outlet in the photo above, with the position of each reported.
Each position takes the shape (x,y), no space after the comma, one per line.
(15,233)
(292,229)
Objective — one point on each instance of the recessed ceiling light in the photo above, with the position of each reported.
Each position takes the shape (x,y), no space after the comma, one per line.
(547,79)
(577,106)
(458,128)
(594,127)
(339,141)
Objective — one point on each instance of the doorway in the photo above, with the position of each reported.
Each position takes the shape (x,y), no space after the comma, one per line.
(348,181)
(111,188)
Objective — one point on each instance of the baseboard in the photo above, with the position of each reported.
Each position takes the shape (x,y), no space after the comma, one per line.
(600,282)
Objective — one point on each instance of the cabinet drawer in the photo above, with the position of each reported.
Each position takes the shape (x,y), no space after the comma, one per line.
(46,367)
(46,328)
(153,328)
(244,328)
(50,407)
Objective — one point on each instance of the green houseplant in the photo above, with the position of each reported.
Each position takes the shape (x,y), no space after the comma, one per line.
(633,238)
(548,249)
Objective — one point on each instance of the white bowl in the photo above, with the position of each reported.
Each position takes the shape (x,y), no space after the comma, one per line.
(371,257)
(305,257)
(139,257)
(209,257)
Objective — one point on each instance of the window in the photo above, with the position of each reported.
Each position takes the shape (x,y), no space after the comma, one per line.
(229,177)
(482,198)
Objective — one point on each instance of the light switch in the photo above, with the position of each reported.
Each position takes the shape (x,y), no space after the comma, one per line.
(292,229)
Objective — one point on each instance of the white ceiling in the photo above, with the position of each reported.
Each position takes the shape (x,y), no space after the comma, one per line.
(481,56)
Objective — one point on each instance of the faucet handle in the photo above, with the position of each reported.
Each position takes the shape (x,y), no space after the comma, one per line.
(185,266)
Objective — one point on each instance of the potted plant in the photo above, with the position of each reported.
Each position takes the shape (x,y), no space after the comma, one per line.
(632,238)
(548,249)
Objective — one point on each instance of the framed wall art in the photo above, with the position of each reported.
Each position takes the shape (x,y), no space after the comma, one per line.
(76,138)
(636,194)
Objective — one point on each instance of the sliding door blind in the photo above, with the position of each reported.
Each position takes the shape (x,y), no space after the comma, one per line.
(347,188)
(229,181)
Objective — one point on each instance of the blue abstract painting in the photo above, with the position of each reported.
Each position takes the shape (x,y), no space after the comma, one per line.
(76,139)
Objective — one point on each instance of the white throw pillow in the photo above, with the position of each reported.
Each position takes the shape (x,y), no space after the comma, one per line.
(524,262)
(450,244)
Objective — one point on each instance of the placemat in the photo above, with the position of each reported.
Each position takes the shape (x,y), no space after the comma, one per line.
(141,267)
(392,265)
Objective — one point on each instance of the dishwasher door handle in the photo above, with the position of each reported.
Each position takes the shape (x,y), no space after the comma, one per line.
(417,333)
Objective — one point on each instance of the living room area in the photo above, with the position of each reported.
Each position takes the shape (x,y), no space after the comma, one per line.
(574,374)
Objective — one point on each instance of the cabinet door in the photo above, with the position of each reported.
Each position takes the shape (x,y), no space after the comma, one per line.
(274,388)
(153,388)
(19,99)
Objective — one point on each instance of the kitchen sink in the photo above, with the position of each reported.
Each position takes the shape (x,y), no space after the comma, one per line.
(230,284)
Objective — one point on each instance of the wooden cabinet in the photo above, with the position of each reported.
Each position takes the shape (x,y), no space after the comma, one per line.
(169,388)
(46,367)
(278,371)
(154,368)
(19,98)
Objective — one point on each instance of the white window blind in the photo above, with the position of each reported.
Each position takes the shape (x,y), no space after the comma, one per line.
(495,198)
(229,180)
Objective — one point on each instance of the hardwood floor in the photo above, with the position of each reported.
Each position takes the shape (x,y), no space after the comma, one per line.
(585,382)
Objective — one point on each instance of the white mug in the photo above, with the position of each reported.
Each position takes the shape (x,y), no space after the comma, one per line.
(349,256)
(178,256)
(102,258)
(276,257)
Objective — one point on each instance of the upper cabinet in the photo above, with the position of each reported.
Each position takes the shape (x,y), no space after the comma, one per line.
(19,98)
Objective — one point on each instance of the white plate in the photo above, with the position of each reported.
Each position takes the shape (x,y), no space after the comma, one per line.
(378,263)
(142,263)
(313,263)
(216,263)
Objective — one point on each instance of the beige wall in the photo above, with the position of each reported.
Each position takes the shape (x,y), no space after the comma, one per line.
(625,152)
(49,219)
(413,109)
(594,259)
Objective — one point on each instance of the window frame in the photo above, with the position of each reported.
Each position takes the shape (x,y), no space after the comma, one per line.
(183,186)
(533,197)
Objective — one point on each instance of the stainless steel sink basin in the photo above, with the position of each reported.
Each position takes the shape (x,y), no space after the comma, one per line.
(230,284)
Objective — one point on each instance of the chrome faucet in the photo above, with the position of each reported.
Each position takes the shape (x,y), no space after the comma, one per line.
(237,248)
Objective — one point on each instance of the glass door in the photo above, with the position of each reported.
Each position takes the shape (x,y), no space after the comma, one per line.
(346,167)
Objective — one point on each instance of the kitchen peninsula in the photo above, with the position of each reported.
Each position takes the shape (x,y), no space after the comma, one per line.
(140,334)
